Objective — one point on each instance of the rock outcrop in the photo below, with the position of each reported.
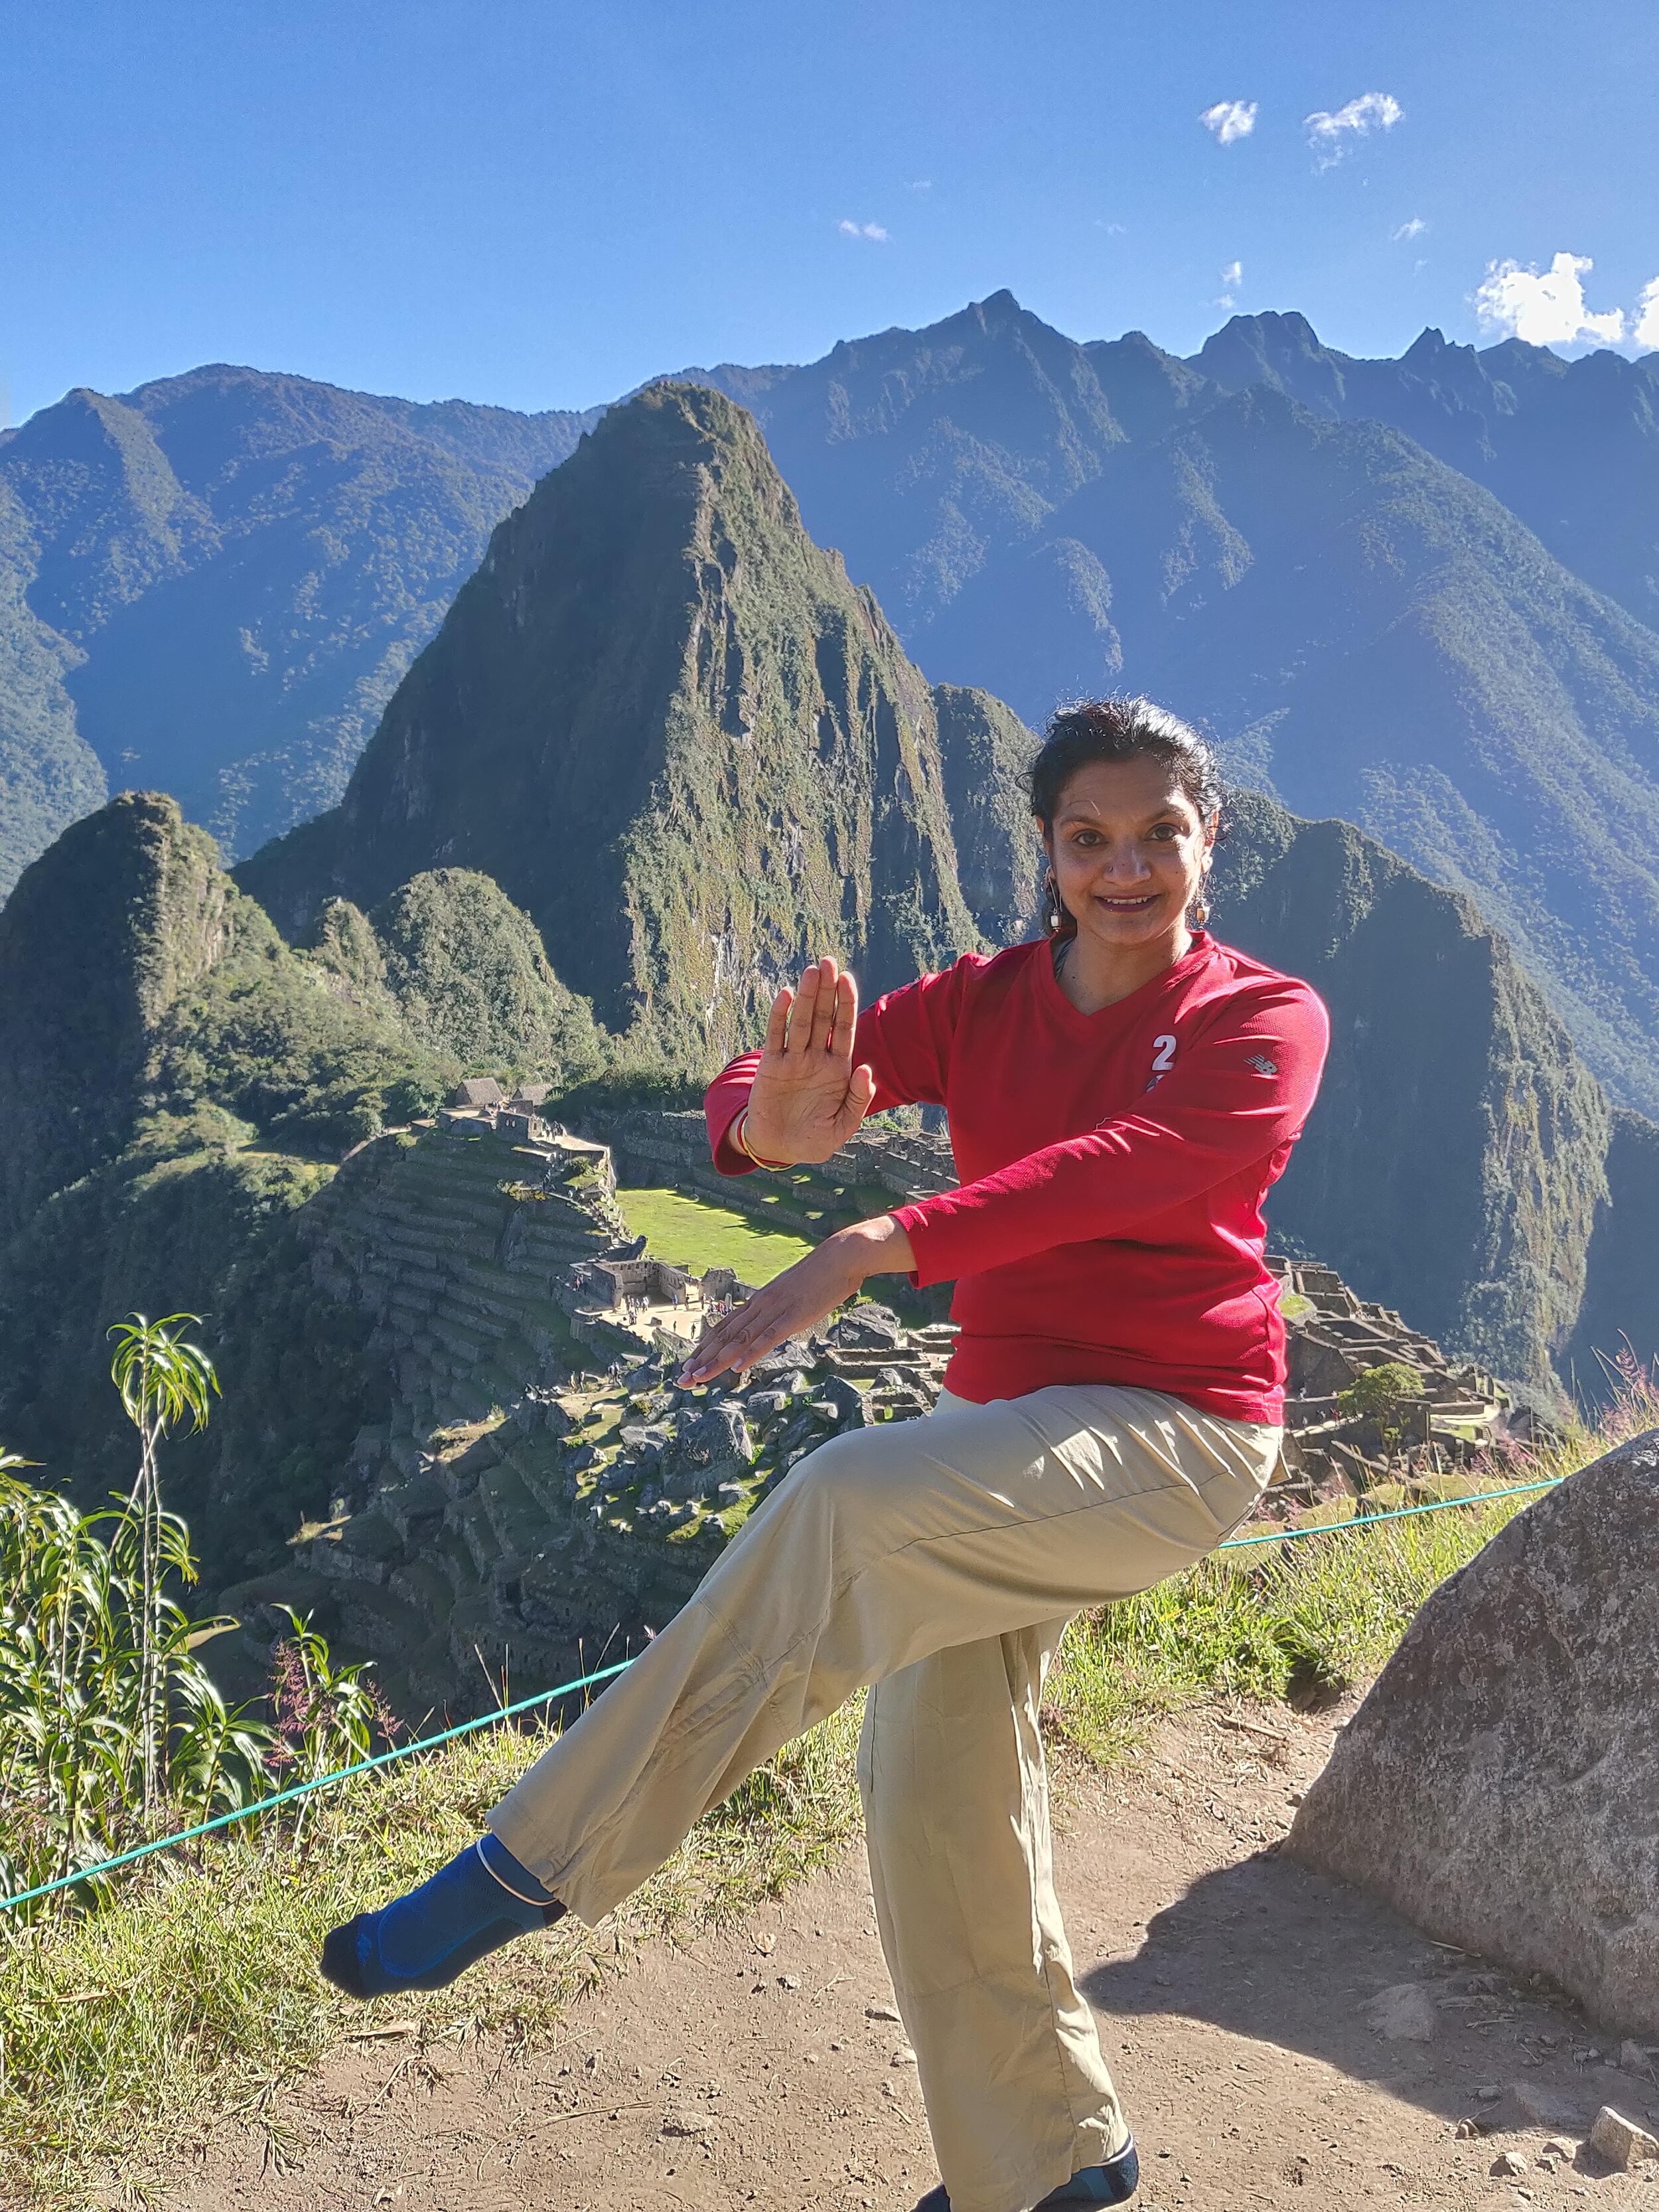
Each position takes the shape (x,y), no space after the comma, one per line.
(1499,1785)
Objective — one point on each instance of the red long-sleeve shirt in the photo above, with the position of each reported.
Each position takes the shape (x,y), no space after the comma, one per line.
(1113,1165)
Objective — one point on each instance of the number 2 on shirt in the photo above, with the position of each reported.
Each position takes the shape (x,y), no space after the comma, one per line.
(1164,1052)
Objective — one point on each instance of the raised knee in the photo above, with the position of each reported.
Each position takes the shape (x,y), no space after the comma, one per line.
(826,1477)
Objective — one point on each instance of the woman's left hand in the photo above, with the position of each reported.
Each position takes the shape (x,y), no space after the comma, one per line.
(800,1297)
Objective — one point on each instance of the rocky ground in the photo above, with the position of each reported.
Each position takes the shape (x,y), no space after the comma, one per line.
(1279,2042)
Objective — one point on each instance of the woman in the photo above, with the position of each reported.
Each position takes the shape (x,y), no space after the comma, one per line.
(1121,1094)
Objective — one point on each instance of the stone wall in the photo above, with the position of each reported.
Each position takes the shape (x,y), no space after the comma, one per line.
(1335,1338)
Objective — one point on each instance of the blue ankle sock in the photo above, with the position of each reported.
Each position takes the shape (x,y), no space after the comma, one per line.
(481,1899)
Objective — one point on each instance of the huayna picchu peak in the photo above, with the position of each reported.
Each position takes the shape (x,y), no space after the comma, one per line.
(667,725)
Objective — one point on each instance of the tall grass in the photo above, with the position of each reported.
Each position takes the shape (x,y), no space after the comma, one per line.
(1305,1619)
(1301,1621)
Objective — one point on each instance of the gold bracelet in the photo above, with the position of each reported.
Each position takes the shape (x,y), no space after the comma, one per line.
(740,1138)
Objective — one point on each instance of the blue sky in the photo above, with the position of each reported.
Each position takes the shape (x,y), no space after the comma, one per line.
(542,204)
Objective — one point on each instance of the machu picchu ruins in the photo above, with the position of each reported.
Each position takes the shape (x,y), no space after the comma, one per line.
(545,1488)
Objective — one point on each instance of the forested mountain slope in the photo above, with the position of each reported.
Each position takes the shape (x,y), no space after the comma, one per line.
(1572,447)
(214,583)
(1369,631)
(1457,1158)
(674,735)
(1374,637)
(182,1083)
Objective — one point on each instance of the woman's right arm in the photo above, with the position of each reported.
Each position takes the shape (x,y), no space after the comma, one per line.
(824,1066)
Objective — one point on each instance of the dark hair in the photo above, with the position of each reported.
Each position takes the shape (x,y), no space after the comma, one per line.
(1121,730)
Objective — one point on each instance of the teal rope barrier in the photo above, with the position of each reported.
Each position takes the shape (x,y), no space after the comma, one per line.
(1394,1513)
(585,1681)
(305,1789)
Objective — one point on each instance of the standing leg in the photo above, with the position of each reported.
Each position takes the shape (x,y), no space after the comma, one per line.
(956,1808)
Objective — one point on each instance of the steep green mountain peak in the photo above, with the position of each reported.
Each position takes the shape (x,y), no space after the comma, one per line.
(469,974)
(669,728)
(137,981)
(101,936)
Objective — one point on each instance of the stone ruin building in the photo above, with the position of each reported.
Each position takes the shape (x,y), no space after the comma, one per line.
(545,1490)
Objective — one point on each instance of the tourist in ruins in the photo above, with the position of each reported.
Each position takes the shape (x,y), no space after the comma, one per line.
(1121,1092)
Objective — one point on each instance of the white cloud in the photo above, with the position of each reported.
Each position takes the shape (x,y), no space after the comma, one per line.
(1645,321)
(920,185)
(1232,277)
(1414,228)
(848,229)
(1230,119)
(1545,308)
(1332,132)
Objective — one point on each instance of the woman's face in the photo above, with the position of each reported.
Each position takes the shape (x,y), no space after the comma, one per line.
(1129,851)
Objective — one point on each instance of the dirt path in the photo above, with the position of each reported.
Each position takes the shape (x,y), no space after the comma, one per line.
(764,2067)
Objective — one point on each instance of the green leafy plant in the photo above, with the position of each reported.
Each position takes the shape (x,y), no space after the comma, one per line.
(104,1708)
(165,1384)
(326,1717)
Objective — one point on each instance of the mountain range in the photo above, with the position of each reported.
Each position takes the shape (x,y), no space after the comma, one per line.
(212,585)
(664,722)
(660,749)
(1313,557)
(661,719)
(1415,594)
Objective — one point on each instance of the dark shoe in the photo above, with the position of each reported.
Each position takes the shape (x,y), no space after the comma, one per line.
(481,1899)
(1115,2183)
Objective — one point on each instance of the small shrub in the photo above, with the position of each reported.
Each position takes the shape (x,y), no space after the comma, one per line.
(1382,1394)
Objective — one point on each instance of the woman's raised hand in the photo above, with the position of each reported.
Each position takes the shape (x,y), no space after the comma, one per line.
(808,1097)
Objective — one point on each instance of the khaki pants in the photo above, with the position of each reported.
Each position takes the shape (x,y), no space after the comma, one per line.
(940,1559)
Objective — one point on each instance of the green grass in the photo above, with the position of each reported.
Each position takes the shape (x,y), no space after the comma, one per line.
(690,1233)
(1298,1621)
(195,1995)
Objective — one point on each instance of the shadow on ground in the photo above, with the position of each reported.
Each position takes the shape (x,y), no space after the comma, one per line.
(1269,1950)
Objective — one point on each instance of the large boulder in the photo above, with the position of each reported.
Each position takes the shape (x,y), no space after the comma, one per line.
(1500,1784)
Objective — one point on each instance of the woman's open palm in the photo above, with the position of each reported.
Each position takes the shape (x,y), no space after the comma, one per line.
(808,1097)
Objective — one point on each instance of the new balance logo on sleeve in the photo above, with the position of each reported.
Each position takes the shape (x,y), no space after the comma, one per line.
(1262,1065)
